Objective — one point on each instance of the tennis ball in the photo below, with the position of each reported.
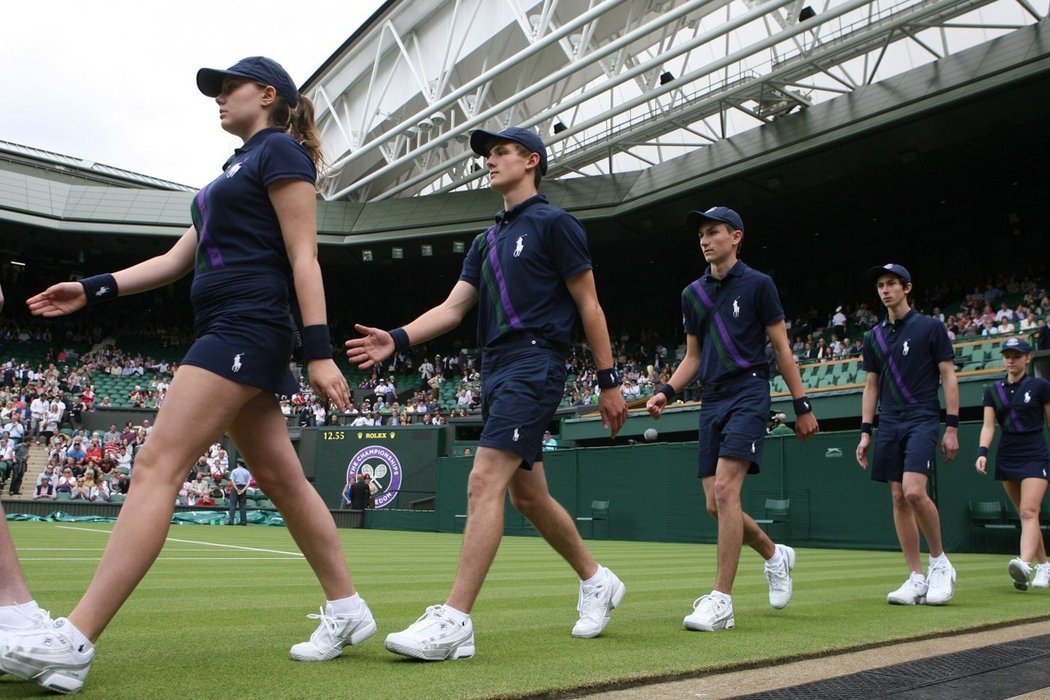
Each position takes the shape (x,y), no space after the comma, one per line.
(650,434)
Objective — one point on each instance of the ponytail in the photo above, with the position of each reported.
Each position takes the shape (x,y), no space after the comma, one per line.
(298,122)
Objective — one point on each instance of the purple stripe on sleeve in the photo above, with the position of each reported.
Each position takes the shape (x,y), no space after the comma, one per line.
(497,271)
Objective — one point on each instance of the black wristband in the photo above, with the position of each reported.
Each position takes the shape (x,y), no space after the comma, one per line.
(982,451)
(951,420)
(866,428)
(401,341)
(317,343)
(607,378)
(668,391)
(99,288)
(802,405)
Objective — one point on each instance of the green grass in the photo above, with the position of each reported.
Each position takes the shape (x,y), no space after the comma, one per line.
(216,622)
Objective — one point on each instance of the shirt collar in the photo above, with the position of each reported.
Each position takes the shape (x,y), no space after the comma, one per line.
(251,143)
(899,323)
(508,215)
(737,269)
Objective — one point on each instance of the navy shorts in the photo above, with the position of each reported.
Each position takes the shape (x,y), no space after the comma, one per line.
(905,444)
(1021,456)
(244,328)
(520,391)
(733,423)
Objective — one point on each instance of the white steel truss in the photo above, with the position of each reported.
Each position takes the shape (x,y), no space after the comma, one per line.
(611,85)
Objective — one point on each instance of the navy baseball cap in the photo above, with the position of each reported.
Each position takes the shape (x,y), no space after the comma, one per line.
(724,214)
(890,269)
(1017,345)
(258,68)
(480,140)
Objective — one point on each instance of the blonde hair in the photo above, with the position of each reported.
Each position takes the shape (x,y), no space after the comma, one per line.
(298,122)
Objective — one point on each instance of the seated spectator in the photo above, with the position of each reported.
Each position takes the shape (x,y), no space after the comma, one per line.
(45,483)
(66,482)
(76,452)
(1006,327)
(78,492)
(200,492)
(125,459)
(96,489)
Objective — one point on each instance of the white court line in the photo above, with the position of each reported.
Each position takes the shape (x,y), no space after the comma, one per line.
(199,559)
(206,544)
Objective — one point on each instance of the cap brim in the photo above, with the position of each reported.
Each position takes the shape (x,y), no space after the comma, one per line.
(209,81)
(479,140)
(878,271)
(694,218)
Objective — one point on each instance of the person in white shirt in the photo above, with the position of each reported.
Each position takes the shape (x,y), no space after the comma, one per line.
(37,412)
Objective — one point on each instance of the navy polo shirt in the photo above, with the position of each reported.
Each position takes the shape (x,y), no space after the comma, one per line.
(729,316)
(1019,407)
(519,267)
(235,221)
(905,355)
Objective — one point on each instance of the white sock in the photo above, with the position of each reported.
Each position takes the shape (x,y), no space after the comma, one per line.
(81,643)
(939,560)
(597,578)
(457,616)
(916,576)
(346,606)
(777,556)
(723,596)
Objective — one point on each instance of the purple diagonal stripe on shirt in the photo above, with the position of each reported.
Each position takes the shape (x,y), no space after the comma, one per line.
(504,296)
(1006,404)
(702,295)
(893,366)
(723,332)
(206,242)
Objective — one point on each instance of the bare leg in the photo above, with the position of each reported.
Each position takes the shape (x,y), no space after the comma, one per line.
(1027,497)
(907,528)
(13,588)
(530,495)
(184,430)
(260,432)
(492,472)
(722,492)
(926,516)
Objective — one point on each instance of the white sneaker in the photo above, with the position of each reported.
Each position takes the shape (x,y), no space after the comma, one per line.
(40,621)
(941,581)
(1042,576)
(779,577)
(710,614)
(912,592)
(49,657)
(333,633)
(434,637)
(596,603)
(1020,572)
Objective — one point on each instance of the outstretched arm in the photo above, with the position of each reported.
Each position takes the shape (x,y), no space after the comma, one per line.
(375,344)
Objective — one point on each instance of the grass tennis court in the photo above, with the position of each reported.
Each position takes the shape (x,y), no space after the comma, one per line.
(216,615)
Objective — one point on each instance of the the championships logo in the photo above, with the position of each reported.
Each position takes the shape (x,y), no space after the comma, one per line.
(385,469)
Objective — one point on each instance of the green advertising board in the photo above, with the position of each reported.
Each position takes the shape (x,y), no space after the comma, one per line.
(402,461)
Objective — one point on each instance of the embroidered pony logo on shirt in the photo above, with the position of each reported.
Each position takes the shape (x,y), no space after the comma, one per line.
(907,348)
(519,247)
(232,170)
(736,308)
(1028,397)
(516,435)
(237,362)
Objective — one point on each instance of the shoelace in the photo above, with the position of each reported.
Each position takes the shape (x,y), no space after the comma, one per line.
(434,615)
(700,601)
(594,593)
(328,621)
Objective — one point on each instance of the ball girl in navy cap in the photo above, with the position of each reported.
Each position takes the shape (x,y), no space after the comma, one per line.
(252,249)
(1020,405)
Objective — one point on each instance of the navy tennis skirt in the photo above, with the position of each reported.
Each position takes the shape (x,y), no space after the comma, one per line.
(244,327)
